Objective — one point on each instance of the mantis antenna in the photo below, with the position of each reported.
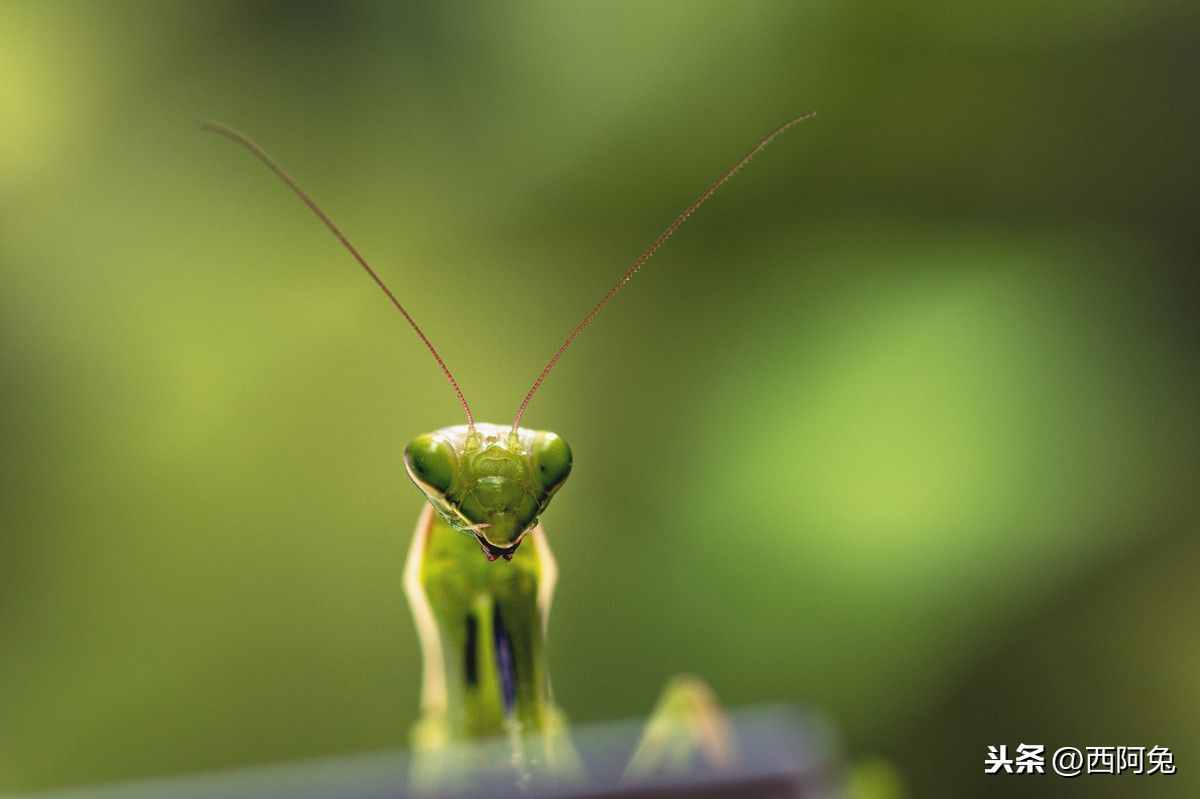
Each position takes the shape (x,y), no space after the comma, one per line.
(648,253)
(261,154)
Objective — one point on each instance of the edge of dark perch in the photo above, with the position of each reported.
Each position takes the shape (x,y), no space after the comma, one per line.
(781,753)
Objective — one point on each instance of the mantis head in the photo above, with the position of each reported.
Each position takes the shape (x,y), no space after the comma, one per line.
(489,481)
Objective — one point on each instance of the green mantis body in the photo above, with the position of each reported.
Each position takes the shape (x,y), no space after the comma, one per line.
(480,595)
(483,629)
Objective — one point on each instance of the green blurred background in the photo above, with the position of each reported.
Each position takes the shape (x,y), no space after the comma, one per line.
(901,429)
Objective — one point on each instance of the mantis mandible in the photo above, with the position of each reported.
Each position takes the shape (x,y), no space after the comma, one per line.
(481,600)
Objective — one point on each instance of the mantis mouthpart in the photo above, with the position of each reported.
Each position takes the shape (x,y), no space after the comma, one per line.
(482,624)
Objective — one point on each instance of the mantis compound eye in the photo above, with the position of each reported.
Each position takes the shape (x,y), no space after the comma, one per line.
(550,458)
(432,461)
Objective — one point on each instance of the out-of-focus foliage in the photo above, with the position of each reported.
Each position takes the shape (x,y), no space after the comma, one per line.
(901,428)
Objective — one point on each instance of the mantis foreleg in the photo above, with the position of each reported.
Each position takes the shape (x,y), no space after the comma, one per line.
(482,630)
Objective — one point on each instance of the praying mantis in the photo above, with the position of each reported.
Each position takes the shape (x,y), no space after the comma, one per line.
(480,595)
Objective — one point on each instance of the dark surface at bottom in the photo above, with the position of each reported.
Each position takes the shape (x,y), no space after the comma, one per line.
(781,753)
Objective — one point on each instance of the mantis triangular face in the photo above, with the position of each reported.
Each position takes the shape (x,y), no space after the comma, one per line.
(489,481)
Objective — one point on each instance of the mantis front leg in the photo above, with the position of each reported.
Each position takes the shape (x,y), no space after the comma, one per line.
(482,629)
